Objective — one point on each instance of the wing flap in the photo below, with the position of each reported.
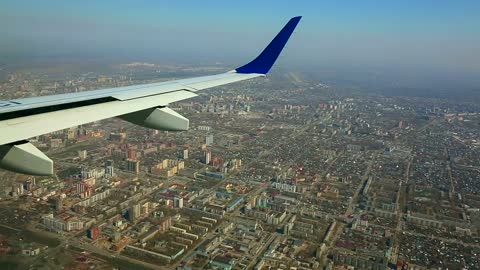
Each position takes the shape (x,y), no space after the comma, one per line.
(120,93)
(217,80)
(149,91)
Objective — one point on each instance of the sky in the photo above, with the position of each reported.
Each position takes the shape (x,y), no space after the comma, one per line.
(421,35)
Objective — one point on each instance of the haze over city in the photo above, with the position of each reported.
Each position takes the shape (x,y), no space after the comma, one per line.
(412,43)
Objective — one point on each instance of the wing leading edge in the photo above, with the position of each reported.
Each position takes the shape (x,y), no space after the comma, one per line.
(143,105)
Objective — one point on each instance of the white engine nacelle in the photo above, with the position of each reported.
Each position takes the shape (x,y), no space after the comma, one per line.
(158,118)
(25,158)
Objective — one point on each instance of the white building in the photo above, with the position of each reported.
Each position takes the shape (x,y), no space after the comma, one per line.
(209,140)
(178,202)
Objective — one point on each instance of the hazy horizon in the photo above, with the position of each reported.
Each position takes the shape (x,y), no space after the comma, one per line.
(432,43)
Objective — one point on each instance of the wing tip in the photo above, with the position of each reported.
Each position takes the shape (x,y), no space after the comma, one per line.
(265,60)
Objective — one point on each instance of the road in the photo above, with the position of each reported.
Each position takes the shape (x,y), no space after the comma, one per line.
(353,201)
(254,261)
(96,250)
(350,208)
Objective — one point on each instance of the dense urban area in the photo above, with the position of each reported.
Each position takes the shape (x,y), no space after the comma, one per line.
(282,172)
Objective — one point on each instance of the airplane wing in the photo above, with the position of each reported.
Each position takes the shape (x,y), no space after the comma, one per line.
(145,105)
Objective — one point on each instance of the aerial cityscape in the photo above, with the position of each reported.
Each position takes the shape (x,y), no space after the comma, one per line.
(127,141)
(279,173)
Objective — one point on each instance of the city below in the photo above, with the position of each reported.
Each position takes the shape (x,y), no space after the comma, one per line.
(283,172)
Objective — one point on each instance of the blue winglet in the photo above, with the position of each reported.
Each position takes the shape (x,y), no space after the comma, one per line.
(264,62)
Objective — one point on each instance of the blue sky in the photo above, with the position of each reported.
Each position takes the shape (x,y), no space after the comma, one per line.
(440,34)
